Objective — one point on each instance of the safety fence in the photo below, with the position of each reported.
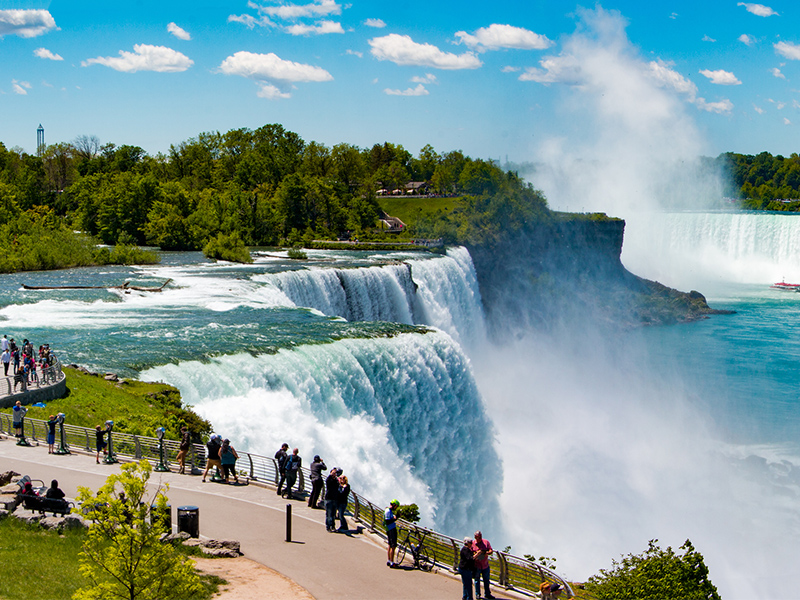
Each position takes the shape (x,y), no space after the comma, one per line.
(507,570)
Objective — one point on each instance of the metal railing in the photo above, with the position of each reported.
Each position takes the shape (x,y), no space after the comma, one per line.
(507,570)
(43,378)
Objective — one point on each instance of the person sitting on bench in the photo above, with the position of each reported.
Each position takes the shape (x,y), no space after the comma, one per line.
(54,491)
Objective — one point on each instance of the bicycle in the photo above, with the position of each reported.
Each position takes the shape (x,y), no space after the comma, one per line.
(424,556)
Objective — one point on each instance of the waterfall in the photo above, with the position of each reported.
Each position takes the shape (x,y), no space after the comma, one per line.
(402,416)
(441,292)
(681,249)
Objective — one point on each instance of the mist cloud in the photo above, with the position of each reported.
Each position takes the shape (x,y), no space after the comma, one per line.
(629,141)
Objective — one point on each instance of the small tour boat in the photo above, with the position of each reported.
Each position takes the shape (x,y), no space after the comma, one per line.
(789,287)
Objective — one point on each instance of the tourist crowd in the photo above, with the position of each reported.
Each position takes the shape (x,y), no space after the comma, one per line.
(25,362)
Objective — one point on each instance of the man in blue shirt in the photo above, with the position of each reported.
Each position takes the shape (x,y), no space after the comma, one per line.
(390,521)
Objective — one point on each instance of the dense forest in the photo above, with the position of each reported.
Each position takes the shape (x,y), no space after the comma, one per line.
(763,181)
(264,187)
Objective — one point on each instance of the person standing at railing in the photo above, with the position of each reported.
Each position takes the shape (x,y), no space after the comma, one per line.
(19,415)
(292,469)
(390,522)
(100,441)
(212,460)
(186,443)
(228,456)
(281,456)
(483,550)
(316,468)
(5,357)
(19,379)
(331,491)
(51,434)
(466,568)
(342,496)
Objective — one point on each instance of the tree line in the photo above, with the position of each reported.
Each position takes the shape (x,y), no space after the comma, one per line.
(764,181)
(265,187)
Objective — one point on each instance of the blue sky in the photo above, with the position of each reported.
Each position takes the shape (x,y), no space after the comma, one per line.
(496,80)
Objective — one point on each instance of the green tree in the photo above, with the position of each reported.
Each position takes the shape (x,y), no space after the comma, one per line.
(228,247)
(123,556)
(654,575)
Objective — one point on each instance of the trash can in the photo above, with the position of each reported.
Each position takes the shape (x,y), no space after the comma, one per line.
(189,520)
(164,518)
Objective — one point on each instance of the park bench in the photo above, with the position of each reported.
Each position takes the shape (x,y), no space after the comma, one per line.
(39,503)
(46,505)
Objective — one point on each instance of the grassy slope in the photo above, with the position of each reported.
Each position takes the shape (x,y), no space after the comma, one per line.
(135,407)
(409,208)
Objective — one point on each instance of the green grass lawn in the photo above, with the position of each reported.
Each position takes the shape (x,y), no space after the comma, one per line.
(40,564)
(136,407)
(409,208)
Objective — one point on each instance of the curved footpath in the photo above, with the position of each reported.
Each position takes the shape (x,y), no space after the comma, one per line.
(329,566)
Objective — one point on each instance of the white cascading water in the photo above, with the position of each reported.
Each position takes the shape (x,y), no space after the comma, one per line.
(401,415)
(441,292)
(363,294)
(688,249)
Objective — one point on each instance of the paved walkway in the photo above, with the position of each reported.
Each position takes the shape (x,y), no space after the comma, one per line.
(330,566)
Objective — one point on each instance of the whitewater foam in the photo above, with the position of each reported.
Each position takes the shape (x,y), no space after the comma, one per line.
(402,414)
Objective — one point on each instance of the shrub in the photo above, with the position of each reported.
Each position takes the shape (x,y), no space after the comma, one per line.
(654,575)
(228,247)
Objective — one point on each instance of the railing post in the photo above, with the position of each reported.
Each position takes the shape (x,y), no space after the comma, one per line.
(252,472)
(300,481)
(137,448)
(456,555)
(372,518)
(503,570)
(356,507)
(88,447)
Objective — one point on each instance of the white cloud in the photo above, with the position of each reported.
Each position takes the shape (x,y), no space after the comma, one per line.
(509,69)
(598,69)
(722,107)
(720,77)
(45,53)
(269,70)
(377,23)
(786,121)
(179,32)
(26,23)
(429,78)
(354,53)
(417,91)
(320,28)
(498,36)
(788,50)
(321,8)
(402,50)
(663,73)
(250,21)
(555,69)
(271,92)
(776,72)
(758,9)
(673,15)
(144,58)
(708,38)
(758,109)
(20,87)
(747,40)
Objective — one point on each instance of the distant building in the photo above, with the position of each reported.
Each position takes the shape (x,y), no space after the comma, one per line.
(40,140)
(417,187)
